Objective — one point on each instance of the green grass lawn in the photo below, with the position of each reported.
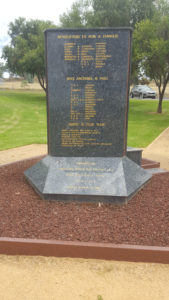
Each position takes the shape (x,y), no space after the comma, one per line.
(144,123)
(23,120)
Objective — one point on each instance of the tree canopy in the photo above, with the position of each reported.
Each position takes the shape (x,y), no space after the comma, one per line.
(2,69)
(151,43)
(78,16)
(108,13)
(25,54)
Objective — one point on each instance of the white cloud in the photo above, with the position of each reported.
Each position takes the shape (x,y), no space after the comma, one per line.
(35,9)
(32,9)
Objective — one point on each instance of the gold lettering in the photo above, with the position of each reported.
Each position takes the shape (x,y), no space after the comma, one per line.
(74,124)
(92,36)
(77,187)
(68,36)
(86,163)
(68,52)
(101,55)
(84,78)
(109,36)
(70,78)
(103,78)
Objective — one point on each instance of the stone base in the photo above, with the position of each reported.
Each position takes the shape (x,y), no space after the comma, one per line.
(135,154)
(87,178)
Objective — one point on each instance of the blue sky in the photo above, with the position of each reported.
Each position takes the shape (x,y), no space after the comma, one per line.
(32,9)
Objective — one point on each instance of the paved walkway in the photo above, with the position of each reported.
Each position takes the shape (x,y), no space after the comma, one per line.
(158,150)
(42,278)
(20,153)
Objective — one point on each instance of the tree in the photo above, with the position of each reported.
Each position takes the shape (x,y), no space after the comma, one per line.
(96,13)
(108,13)
(26,51)
(78,16)
(151,42)
(162,7)
(2,69)
(141,10)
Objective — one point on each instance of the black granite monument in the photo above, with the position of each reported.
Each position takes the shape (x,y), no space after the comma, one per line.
(87,103)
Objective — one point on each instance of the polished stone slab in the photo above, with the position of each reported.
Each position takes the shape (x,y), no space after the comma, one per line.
(88,87)
(135,154)
(87,179)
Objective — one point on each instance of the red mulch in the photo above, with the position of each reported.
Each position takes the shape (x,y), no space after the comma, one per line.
(23,214)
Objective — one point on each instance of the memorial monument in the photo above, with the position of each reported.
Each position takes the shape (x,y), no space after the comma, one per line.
(87,73)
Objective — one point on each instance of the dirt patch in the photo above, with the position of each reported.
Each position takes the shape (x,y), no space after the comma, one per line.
(144,220)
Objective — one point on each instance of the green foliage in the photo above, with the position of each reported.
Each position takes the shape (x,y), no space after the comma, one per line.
(110,13)
(162,8)
(107,13)
(141,10)
(97,13)
(29,78)
(26,51)
(78,16)
(2,69)
(151,44)
(144,81)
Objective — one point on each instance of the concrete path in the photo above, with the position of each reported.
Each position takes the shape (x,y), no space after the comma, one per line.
(158,150)
(20,153)
(42,278)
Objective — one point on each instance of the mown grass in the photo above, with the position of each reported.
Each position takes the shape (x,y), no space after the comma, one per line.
(144,123)
(23,120)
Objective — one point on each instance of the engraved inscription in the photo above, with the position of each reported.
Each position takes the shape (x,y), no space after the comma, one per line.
(85,175)
(90,102)
(82,130)
(85,54)
(88,92)
(101,55)
(85,50)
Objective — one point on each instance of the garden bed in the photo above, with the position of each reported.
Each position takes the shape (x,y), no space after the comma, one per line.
(23,214)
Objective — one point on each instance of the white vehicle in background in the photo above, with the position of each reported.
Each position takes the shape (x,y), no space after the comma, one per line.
(143,91)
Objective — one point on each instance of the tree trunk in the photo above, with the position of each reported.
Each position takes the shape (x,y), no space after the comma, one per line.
(41,80)
(159,109)
(161,95)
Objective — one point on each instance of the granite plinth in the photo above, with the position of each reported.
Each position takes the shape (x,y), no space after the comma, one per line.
(135,154)
(87,179)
